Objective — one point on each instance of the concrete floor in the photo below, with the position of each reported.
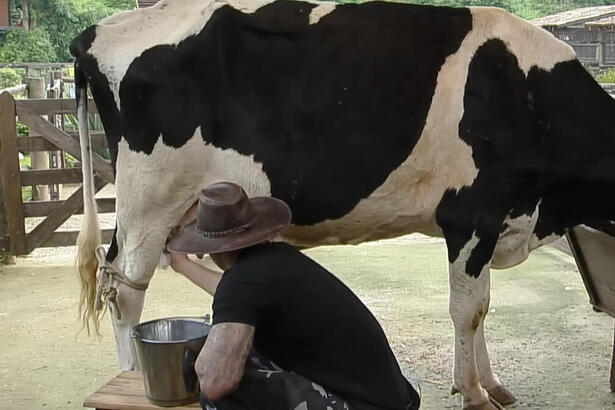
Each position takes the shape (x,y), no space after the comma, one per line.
(546,343)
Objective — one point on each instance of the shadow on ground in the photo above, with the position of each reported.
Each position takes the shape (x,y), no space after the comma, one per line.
(547,344)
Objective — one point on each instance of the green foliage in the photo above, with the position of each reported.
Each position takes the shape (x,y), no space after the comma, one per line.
(22,129)
(9,77)
(607,77)
(27,46)
(65,19)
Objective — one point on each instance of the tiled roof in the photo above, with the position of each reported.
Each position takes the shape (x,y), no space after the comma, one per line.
(578,16)
(147,3)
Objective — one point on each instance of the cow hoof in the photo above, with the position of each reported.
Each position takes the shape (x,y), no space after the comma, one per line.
(490,405)
(501,395)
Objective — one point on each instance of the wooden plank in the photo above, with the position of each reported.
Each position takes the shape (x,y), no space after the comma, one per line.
(38,143)
(46,228)
(612,379)
(43,106)
(64,142)
(34,209)
(51,176)
(126,392)
(9,162)
(69,238)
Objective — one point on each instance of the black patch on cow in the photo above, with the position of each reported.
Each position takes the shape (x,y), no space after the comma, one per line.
(86,64)
(112,251)
(499,126)
(577,119)
(548,137)
(329,109)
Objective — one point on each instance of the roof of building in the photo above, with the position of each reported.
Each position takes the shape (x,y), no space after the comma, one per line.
(578,16)
(147,3)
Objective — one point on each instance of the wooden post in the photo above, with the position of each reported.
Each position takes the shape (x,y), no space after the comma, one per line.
(40,160)
(5,253)
(25,9)
(613,368)
(55,157)
(11,176)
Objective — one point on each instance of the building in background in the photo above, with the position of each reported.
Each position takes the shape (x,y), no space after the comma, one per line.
(5,15)
(590,31)
(144,3)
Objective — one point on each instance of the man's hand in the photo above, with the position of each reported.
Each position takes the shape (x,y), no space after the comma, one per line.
(205,278)
(222,361)
(179,261)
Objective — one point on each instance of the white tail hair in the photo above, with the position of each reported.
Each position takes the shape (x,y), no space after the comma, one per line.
(89,236)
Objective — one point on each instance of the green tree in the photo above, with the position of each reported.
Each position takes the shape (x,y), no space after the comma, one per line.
(27,46)
(65,19)
(9,77)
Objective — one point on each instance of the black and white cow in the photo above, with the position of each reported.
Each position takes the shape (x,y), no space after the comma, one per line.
(370,120)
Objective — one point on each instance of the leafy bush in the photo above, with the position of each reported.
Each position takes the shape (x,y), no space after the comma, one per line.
(32,46)
(22,129)
(65,19)
(607,77)
(9,77)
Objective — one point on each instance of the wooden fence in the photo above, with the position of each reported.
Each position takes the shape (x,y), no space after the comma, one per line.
(44,136)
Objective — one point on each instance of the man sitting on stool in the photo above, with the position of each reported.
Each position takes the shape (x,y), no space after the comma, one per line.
(331,351)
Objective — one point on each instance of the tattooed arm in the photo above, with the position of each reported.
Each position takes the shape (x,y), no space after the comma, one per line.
(222,361)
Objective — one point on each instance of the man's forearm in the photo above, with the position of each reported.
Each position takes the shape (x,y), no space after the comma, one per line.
(205,278)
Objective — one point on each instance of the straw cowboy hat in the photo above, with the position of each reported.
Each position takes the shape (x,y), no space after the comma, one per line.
(228,220)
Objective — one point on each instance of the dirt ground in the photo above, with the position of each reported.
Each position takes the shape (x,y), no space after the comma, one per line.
(546,343)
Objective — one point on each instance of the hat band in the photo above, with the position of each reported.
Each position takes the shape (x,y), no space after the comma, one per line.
(219,234)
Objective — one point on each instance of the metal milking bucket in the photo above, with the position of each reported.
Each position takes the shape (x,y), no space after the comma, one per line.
(167,350)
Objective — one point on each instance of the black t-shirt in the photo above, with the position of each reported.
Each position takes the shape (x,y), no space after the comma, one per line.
(308,322)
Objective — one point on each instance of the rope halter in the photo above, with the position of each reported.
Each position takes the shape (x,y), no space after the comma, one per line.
(107,281)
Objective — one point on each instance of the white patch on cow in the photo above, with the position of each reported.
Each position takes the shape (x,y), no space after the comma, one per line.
(123,37)
(536,242)
(165,260)
(532,45)
(153,192)
(302,406)
(513,246)
(320,390)
(321,10)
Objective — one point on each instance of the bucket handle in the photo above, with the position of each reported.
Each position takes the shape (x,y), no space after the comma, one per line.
(135,333)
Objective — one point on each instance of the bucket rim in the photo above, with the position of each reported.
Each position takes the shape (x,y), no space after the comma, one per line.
(203,319)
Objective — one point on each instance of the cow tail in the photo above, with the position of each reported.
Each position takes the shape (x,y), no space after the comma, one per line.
(89,238)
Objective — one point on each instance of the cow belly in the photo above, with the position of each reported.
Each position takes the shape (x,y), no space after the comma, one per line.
(514,245)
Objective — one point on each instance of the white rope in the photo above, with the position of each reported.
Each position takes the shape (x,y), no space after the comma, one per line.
(106,290)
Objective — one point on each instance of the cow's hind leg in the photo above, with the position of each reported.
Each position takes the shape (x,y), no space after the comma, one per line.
(488,379)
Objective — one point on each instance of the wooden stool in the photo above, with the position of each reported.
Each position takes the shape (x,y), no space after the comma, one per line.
(126,392)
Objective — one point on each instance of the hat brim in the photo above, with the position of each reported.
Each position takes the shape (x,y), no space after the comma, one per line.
(272,216)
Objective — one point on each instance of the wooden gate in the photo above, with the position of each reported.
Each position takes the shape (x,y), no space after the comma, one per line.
(44,136)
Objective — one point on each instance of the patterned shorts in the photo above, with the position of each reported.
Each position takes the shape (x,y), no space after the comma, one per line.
(265,386)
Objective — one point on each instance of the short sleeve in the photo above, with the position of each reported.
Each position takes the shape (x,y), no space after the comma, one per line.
(241,297)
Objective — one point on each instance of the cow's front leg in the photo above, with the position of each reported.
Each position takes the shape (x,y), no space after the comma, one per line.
(468,299)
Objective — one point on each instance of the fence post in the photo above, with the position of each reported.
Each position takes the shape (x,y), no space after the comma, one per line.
(55,157)
(11,176)
(5,255)
(40,160)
